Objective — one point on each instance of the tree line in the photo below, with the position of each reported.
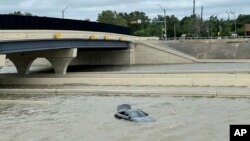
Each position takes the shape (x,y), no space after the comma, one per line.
(140,24)
(19,13)
(192,26)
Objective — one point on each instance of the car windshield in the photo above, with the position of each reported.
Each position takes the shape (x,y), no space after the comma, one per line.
(137,114)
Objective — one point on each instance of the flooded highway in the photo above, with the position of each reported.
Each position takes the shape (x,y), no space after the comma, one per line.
(91,118)
(78,117)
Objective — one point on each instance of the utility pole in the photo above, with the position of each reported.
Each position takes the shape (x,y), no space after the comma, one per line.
(201,24)
(211,28)
(165,21)
(228,13)
(193,7)
(63,11)
(194,20)
(165,24)
(201,13)
(233,13)
(174,32)
(162,34)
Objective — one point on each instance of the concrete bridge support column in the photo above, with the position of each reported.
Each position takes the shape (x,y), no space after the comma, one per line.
(2,60)
(22,64)
(60,65)
(132,53)
(59,58)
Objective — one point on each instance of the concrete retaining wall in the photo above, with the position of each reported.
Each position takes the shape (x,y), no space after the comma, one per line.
(146,53)
(109,92)
(183,79)
(231,49)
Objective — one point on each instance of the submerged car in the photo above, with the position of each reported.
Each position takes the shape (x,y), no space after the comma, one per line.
(124,111)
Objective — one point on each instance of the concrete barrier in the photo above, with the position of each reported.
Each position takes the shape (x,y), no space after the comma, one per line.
(135,79)
(101,92)
(108,92)
(8,35)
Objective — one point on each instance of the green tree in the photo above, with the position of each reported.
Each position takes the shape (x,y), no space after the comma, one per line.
(173,25)
(137,15)
(19,13)
(205,28)
(107,16)
(226,27)
(120,21)
(214,25)
(241,21)
(111,17)
(140,32)
(186,25)
(152,30)
(134,17)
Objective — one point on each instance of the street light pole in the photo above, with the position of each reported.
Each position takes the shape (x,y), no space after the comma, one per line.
(233,13)
(63,11)
(162,34)
(174,32)
(165,21)
(228,13)
(194,20)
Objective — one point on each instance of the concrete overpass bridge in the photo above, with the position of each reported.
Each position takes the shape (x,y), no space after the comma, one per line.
(63,48)
(65,42)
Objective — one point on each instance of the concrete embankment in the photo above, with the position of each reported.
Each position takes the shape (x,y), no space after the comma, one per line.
(211,50)
(232,92)
(134,79)
(234,84)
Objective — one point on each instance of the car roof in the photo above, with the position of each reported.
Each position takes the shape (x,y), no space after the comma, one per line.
(133,110)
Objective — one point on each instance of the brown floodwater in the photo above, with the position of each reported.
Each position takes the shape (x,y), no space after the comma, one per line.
(90,118)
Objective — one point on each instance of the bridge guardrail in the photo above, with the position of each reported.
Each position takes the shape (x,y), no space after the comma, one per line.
(8,35)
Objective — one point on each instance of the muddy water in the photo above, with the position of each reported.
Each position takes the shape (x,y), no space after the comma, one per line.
(90,118)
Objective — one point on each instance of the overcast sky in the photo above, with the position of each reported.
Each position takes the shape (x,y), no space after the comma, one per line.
(84,9)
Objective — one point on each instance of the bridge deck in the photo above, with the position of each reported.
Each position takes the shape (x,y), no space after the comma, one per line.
(36,45)
(12,41)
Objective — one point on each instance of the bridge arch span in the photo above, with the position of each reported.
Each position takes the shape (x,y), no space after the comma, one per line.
(59,59)
(22,65)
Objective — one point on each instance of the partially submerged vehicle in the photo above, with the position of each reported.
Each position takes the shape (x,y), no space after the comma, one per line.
(125,111)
